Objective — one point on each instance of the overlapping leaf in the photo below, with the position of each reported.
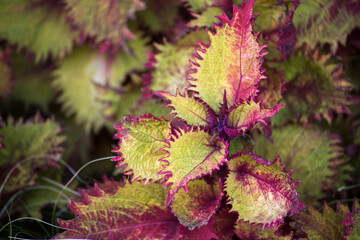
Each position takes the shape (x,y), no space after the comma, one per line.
(105,20)
(310,152)
(199,204)
(191,109)
(224,224)
(31,145)
(261,192)
(326,21)
(170,64)
(84,76)
(272,88)
(273,14)
(75,77)
(353,222)
(206,18)
(325,225)
(162,17)
(192,154)
(244,230)
(131,212)
(316,88)
(204,233)
(231,62)
(198,5)
(141,141)
(37,25)
(244,116)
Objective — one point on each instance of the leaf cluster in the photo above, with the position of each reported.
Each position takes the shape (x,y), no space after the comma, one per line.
(234,119)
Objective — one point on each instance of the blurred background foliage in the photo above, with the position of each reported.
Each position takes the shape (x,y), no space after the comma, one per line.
(72,69)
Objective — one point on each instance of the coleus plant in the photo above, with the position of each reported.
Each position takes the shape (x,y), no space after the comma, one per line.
(189,154)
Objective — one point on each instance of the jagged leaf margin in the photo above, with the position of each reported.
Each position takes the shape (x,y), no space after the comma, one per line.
(141,141)
(192,153)
(199,204)
(326,21)
(232,61)
(26,140)
(260,191)
(40,26)
(105,20)
(313,155)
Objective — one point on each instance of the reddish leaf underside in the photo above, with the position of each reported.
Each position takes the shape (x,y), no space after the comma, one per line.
(198,205)
(232,62)
(191,155)
(133,212)
(260,191)
(141,141)
(204,233)
(224,224)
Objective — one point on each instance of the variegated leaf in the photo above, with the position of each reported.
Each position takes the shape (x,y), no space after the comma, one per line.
(141,141)
(199,204)
(191,109)
(191,154)
(231,63)
(129,212)
(244,116)
(261,192)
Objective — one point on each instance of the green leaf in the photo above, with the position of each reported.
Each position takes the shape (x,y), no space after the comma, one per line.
(325,21)
(161,17)
(273,14)
(206,18)
(310,152)
(40,26)
(5,73)
(141,141)
(105,20)
(30,80)
(325,225)
(246,231)
(315,87)
(261,192)
(170,64)
(192,154)
(33,145)
(198,205)
(197,5)
(231,63)
(93,73)
(271,89)
(190,109)
(75,77)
